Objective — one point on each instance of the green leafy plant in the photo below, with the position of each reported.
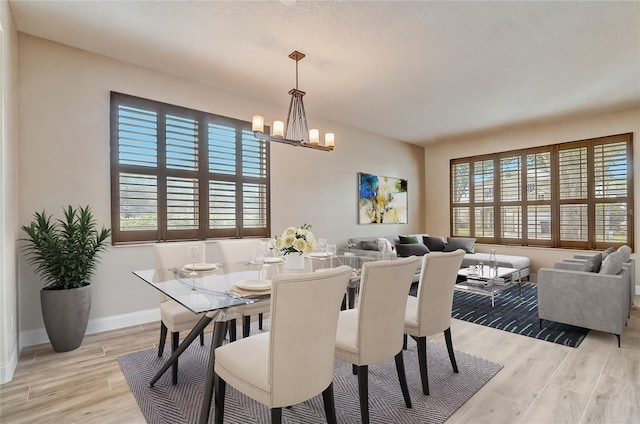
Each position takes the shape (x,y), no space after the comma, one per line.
(65,251)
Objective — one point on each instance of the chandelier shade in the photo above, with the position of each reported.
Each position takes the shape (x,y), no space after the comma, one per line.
(295,131)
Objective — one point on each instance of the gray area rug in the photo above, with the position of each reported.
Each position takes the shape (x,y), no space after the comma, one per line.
(165,403)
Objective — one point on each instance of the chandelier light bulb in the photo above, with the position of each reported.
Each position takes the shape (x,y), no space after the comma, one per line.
(314,136)
(329,140)
(278,128)
(257,123)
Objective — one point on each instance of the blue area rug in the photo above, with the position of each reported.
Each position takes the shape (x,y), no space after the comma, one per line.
(513,312)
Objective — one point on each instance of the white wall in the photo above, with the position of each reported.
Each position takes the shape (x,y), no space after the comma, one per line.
(437,171)
(8,194)
(64,159)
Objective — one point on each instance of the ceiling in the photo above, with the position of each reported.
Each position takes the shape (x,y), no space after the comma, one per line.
(416,71)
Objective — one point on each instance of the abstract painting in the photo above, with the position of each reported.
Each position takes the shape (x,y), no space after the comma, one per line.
(382,200)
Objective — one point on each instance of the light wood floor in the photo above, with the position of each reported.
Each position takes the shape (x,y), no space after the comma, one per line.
(541,382)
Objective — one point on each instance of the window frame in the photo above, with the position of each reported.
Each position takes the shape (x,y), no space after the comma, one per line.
(202,175)
(458,207)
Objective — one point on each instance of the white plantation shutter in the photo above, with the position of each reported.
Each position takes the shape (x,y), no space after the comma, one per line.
(611,191)
(511,197)
(573,190)
(483,193)
(574,195)
(538,197)
(183,174)
(460,202)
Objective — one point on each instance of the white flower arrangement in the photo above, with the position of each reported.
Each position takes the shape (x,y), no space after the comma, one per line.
(296,240)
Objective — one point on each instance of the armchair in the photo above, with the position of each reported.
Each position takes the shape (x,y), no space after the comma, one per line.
(597,301)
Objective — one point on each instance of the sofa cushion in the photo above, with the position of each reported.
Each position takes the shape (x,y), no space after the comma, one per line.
(384,245)
(607,252)
(408,240)
(455,243)
(435,244)
(613,264)
(596,262)
(583,266)
(416,249)
(368,245)
(626,252)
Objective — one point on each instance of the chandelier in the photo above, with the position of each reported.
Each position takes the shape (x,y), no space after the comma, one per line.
(296,131)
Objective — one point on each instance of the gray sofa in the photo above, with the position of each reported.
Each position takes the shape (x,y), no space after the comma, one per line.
(576,294)
(369,245)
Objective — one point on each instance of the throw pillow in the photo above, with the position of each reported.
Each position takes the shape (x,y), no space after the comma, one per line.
(607,252)
(384,245)
(415,249)
(434,244)
(455,243)
(613,264)
(626,252)
(408,239)
(594,263)
(369,245)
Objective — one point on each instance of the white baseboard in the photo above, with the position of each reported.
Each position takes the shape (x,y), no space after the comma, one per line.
(98,325)
(7,370)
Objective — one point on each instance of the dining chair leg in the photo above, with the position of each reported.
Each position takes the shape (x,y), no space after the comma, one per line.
(354,369)
(175,339)
(422,362)
(276,415)
(260,318)
(329,405)
(232,328)
(163,339)
(219,392)
(363,389)
(246,325)
(402,377)
(404,342)
(202,338)
(452,356)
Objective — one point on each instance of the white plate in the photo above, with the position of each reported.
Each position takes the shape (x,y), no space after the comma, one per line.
(320,255)
(272,260)
(257,284)
(200,267)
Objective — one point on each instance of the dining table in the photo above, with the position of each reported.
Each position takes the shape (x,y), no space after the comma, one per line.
(215,291)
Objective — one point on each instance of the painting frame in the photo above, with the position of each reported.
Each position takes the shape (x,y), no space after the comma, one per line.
(382,199)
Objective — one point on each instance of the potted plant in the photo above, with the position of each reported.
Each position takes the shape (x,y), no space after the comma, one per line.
(65,253)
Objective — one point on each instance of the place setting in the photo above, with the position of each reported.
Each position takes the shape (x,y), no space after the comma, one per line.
(253,287)
(194,268)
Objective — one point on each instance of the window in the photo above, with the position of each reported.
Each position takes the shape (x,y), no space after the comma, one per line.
(181,174)
(575,195)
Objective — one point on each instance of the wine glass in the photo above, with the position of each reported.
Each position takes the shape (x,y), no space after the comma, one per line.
(259,258)
(332,251)
(322,244)
(193,255)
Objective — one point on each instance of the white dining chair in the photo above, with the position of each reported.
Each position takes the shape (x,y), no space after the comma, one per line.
(174,317)
(429,312)
(372,332)
(294,361)
(241,250)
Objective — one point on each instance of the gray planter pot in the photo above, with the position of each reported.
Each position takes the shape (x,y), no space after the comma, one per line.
(66,315)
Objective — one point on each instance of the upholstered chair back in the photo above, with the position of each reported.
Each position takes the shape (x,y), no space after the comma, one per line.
(435,291)
(172,255)
(304,318)
(384,288)
(230,251)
